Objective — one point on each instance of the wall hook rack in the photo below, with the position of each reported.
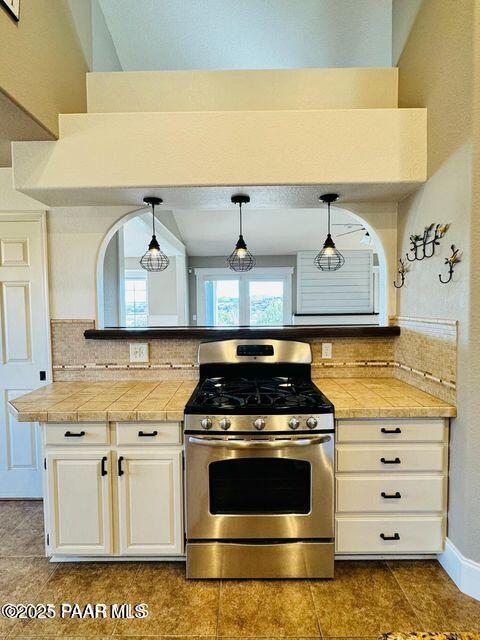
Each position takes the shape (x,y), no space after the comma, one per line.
(451,261)
(402,270)
(424,246)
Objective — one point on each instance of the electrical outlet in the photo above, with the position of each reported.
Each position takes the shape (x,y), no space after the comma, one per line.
(139,352)
(326,350)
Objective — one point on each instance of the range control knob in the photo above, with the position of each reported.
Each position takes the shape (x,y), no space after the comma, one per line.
(259,424)
(206,423)
(294,423)
(312,422)
(225,424)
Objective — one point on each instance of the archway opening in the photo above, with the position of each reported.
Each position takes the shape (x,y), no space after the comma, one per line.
(199,289)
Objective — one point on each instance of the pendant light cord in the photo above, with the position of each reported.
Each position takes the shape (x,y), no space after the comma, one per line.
(328,204)
(153,219)
(241,231)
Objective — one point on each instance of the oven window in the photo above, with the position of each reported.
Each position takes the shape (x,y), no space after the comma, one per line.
(260,486)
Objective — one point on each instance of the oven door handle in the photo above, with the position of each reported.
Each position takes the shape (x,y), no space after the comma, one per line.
(267,444)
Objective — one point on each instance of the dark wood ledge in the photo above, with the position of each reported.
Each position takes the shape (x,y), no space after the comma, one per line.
(287,332)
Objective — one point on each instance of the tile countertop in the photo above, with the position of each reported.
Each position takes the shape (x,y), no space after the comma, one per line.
(130,401)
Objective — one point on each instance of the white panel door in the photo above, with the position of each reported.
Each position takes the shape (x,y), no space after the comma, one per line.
(24,347)
(79,502)
(150,502)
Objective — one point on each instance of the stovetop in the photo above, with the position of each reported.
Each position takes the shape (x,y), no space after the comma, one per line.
(248,396)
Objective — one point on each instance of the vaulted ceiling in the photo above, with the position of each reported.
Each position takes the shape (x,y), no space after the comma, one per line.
(249,34)
(267,232)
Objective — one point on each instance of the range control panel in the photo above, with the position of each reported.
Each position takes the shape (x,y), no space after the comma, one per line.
(311,422)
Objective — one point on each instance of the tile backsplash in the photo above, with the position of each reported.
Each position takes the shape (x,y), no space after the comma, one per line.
(75,358)
(424,355)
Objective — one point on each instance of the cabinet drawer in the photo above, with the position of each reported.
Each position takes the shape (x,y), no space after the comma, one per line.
(149,433)
(410,535)
(390,458)
(414,430)
(75,434)
(412,493)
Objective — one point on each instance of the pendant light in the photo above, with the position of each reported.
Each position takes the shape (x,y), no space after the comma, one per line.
(329,258)
(240,259)
(154,259)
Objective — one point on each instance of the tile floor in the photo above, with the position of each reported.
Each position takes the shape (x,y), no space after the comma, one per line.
(365,599)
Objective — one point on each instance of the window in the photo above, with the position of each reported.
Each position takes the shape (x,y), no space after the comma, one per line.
(265,302)
(262,297)
(222,303)
(136,300)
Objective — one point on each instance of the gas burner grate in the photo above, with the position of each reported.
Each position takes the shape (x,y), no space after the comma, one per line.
(226,394)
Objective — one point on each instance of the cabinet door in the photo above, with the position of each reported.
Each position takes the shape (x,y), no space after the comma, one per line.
(150,502)
(79,502)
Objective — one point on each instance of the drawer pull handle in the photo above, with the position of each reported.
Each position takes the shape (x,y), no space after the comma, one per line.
(391,496)
(394,537)
(104,466)
(396,430)
(71,434)
(394,461)
(146,434)
(120,470)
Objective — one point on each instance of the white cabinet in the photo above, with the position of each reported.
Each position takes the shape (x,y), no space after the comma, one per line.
(79,502)
(391,486)
(123,498)
(390,534)
(150,501)
(389,493)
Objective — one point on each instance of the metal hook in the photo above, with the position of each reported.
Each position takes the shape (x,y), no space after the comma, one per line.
(452,260)
(402,270)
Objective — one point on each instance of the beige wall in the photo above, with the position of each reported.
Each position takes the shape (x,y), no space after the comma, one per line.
(436,70)
(43,66)
(74,238)
(237,90)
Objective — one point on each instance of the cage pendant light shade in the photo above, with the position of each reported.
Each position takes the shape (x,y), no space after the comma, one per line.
(154,259)
(329,258)
(240,259)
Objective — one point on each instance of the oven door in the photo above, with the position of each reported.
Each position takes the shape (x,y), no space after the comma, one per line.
(253,487)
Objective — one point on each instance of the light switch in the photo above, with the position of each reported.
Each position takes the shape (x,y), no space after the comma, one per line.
(139,352)
(326,350)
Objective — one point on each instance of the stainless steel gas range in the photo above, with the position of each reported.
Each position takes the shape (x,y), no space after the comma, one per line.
(259,464)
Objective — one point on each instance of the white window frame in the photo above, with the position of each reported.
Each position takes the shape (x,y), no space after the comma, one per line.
(266,273)
(135,274)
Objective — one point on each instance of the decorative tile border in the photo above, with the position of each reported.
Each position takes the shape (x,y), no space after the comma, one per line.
(428,376)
